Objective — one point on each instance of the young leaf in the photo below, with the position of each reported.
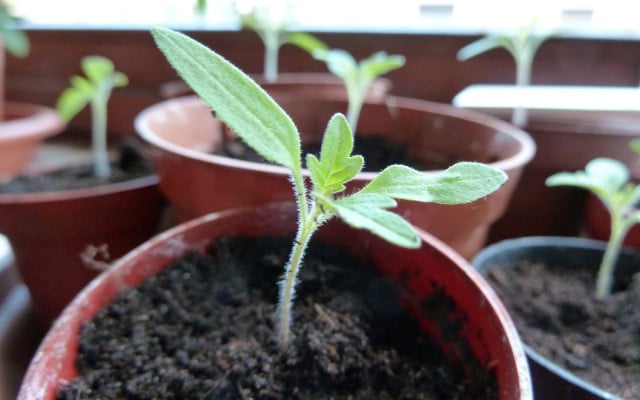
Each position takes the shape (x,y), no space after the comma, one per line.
(603,176)
(368,211)
(306,42)
(336,165)
(461,183)
(380,63)
(465,182)
(339,62)
(237,100)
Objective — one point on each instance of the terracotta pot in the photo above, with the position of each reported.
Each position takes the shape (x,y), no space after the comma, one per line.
(182,134)
(486,328)
(318,84)
(48,232)
(567,137)
(540,210)
(550,380)
(22,131)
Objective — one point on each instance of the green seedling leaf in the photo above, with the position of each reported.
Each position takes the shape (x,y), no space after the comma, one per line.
(94,89)
(381,63)
(16,42)
(609,179)
(237,100)
(368,211)
(483,45)
(465,182)
(336,165)
(339,62)
(461,183)
(306,42)
(603,176)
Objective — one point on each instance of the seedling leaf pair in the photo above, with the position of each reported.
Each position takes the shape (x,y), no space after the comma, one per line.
(94,88)
(609,180)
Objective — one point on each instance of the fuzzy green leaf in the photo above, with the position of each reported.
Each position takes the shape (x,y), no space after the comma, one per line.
(305,41)
(336,165)
(603,176)
(97,68)
(380,63)
(237,100)
(71,101)
(480,46)
(339,62)
(461,183)
(465,182)
(120,80)
(368,211)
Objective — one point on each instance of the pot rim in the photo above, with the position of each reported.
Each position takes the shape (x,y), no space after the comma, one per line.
(517,160)
(75,194)
(64,326)
(482,259)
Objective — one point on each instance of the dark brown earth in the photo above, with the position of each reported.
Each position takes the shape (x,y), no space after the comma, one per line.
(130,164)
(378,152)
(557,315)
(204,329)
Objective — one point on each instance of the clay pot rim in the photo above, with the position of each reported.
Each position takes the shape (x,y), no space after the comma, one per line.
(24,116)
(517,160)
(74,194)
(570,242)
(63,325)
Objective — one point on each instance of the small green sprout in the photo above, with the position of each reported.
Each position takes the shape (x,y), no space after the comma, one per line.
(15,41)
(522,43)
(357,76)
(101,78)
(609,180)
(247,109)
(271,23)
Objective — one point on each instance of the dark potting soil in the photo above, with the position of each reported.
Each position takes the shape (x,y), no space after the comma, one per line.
(378,152)
(557,315)
(129,165)
(204,329)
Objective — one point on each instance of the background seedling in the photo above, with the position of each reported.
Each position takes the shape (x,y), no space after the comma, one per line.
(357,76)
(522,43)
(609,180)
(271,22)
(95,89)
(264,125)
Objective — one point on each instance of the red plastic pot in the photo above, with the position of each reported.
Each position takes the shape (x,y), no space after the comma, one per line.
(486,328)
(24,127)
(182,135)
(49,231)
(550,380)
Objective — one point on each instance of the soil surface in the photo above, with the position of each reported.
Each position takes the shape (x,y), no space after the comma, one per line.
(204,329)
(378,153)
(557,315)
(130,164)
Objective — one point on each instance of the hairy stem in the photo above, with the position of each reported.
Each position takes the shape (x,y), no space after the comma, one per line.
(604,281)
(523,79)
(288,284)
(101,166)
(356,92)
(271,49)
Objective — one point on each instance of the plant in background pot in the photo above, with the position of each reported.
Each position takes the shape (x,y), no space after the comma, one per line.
(197,179)
(52,217)
(594,121)
(358,76)
(328,351)
(522,43)
(23,126)
(581,326)
(271,22)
